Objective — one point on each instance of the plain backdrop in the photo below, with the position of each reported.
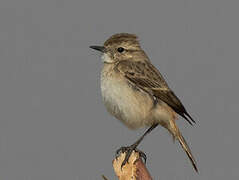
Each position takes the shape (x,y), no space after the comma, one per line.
(53,125)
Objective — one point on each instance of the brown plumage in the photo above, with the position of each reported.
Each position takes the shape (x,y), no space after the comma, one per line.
(146,76)
(136,93)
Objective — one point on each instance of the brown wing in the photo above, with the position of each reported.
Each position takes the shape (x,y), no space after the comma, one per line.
(145,76)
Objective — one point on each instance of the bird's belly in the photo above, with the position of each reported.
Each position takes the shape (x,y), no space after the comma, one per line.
(128,104)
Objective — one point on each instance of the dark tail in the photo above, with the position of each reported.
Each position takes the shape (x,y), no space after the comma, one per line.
(187,150)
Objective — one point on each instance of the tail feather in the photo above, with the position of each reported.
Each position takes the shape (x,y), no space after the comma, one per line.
(186,148)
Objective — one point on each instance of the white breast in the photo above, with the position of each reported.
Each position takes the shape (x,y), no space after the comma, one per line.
(130,106)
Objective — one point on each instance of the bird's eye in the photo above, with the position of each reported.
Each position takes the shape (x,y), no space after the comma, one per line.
(120,49)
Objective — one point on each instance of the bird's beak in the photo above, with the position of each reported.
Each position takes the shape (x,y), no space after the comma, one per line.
(98,48)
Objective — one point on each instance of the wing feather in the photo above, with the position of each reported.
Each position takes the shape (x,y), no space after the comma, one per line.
(145,76)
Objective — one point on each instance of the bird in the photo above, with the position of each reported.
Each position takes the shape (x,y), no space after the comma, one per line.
(135,92)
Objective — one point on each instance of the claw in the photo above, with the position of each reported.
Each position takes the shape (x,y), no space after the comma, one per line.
(129,151)
(143,155)
(126,159)
(122,149)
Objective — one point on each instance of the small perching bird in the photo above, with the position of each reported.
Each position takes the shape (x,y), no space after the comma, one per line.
(136,93)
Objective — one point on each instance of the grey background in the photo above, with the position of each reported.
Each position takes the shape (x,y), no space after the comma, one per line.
(53,125)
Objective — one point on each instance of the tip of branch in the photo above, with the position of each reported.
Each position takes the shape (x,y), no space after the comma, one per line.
(134,169)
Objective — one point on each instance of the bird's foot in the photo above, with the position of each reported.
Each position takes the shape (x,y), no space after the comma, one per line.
(128,150)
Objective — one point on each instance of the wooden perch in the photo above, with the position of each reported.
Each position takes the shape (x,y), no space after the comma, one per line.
(134,170)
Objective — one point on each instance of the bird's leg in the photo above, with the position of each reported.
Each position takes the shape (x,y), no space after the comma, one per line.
(134,146)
